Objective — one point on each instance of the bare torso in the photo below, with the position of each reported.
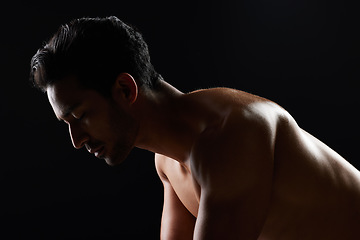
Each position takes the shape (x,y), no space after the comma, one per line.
(315,193)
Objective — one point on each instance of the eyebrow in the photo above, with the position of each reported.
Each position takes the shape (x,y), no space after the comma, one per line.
(67,112)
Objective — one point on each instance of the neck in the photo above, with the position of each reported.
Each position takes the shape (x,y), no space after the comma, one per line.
(166,125)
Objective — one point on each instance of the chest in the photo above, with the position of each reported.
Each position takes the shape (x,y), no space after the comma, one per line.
(187,190)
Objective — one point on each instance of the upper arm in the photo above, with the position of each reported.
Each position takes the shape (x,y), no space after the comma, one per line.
(177,222)
(234,169)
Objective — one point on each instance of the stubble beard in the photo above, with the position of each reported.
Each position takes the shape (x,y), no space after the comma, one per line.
(125,133)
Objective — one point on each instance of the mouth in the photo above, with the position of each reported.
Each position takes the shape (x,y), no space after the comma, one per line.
(97,151)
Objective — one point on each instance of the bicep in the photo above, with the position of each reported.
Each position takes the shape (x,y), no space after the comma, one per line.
(230,219)
(236,211)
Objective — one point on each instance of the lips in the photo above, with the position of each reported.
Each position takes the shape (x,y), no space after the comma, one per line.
(97,151)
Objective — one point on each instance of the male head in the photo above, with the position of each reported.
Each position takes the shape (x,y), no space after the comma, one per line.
(92,70)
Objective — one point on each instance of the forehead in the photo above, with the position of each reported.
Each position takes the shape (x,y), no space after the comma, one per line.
(65,94)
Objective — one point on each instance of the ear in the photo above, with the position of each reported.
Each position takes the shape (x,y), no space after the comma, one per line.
(125,88)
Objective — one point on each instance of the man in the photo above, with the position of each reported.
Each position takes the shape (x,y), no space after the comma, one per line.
(233,165)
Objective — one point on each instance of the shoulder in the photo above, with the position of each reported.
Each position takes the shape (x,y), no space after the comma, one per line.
(244,117)
(243,122)
(233,163)
(238,105)
(160,165)
(239,152)
(166,167)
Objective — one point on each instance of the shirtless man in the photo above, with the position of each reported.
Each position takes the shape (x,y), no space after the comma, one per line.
(233,165)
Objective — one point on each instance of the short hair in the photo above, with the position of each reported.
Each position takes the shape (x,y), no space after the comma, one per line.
(95,51)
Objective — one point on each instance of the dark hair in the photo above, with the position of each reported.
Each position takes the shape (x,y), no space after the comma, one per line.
(95,50)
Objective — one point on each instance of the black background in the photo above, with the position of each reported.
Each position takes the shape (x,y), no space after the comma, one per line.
(302,54)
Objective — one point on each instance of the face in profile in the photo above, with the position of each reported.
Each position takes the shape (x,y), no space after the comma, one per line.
(104,126)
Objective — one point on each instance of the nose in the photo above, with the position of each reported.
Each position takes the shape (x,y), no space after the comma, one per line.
(78,136)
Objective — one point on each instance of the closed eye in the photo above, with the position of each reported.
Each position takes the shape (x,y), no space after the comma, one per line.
(81,117)
(78,115)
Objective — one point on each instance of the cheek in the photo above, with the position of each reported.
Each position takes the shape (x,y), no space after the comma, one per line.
(106,127)
(111,126)
(98,128)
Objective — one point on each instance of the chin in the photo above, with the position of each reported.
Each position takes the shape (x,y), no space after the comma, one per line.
(112,162)
(119,159)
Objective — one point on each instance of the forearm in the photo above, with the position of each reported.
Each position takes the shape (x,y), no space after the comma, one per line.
(173,229)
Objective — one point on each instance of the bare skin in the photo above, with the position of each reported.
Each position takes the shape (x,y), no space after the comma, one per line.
(233,165)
